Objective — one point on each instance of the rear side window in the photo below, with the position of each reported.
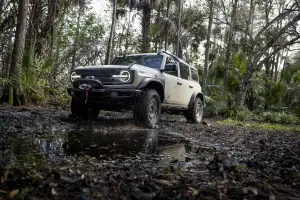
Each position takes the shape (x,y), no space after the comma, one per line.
(184,71)
(194,75)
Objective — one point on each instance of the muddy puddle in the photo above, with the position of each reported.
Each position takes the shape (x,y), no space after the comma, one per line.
(103,144)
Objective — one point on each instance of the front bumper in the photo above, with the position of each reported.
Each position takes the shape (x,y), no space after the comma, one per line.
(104,95)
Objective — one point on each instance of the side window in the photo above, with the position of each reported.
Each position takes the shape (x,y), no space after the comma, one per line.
(171,60)
(194,75)
(184,71)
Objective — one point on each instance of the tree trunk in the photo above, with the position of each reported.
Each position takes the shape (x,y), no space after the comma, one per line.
(229,45)
(167,26)
(178,28)
(7,55)
(123,35)
(249,24)
(76,39)
(59,32)
(112,33)
(52,30)
(18,50)
(276,67)
(145,48)
(210,21)
(1,9)
(180,53)
(244,88)
(273,67)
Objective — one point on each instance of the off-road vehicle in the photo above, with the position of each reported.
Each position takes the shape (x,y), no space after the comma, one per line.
(145,83)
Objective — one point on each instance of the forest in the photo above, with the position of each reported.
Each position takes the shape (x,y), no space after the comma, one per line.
(247,54)
(246,51)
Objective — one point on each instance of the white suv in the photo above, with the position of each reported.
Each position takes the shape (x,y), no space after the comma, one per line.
(145,83)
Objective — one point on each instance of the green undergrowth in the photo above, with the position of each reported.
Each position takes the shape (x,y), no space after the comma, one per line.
(277,117)
(260,125)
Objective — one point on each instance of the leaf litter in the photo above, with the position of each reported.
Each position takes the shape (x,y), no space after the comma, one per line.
(109,158)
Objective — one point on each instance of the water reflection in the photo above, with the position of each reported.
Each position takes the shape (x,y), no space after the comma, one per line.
(102,144)
(127,142)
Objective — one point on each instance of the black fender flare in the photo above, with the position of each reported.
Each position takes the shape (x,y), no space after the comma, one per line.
(144,83)
(194,96)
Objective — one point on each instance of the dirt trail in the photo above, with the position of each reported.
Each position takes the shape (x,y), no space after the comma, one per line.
(45,154)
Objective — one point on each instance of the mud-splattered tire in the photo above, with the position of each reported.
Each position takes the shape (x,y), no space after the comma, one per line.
(147,109)
(82,110)
(195,113)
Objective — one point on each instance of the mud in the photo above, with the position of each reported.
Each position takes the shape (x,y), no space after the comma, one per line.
(47,154)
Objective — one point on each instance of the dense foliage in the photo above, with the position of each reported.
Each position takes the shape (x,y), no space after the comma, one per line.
(248,68)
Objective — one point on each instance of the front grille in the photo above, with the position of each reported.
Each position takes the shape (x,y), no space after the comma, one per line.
(105,79)
(97,72)
(103,75)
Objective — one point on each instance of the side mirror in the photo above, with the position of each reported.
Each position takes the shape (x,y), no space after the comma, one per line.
(170,67)
(115,60)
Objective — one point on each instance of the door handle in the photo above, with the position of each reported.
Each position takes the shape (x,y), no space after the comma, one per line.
(178,83)
(191,86)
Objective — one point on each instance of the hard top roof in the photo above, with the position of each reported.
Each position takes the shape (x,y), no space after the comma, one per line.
(167,54)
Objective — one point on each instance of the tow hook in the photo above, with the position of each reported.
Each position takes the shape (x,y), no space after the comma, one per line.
(87,88)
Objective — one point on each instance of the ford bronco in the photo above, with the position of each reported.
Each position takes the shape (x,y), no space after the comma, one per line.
(145,83)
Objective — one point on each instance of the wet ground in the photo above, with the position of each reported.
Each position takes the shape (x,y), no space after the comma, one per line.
(47,154)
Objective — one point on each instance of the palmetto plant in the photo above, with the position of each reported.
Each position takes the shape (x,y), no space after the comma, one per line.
(34,74)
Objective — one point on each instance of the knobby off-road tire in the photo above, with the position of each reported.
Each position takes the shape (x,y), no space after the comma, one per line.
(147,109)
(195,113)
(80,109)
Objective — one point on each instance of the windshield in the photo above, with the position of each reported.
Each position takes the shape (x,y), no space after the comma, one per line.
(153,61)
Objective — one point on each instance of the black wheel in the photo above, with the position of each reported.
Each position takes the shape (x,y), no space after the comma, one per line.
(80,109)
(195,113)
(147,109)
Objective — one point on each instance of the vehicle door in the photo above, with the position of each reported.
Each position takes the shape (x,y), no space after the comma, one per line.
(187,87)
(173,85)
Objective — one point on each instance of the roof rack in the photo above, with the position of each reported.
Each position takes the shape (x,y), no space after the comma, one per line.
(173,56)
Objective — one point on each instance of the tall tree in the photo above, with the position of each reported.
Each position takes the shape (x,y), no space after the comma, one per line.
(146,7)
(210,22)
(229,45)
(112,32)
(262,52)
(18,49)
(80,4)
(178,28)
(167,24)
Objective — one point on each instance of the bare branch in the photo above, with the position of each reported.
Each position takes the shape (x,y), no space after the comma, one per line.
(276,37)
(287,44)
(279,17)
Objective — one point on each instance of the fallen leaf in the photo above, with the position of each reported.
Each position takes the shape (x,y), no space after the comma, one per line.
(82,176)
(272,197)
(4,177)
(163,182)
(205,123)
(54,193)
(13,193)
(193,191)
(252,189)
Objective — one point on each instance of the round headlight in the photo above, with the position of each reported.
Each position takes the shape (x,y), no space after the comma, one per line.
(125,76)
(74,76)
